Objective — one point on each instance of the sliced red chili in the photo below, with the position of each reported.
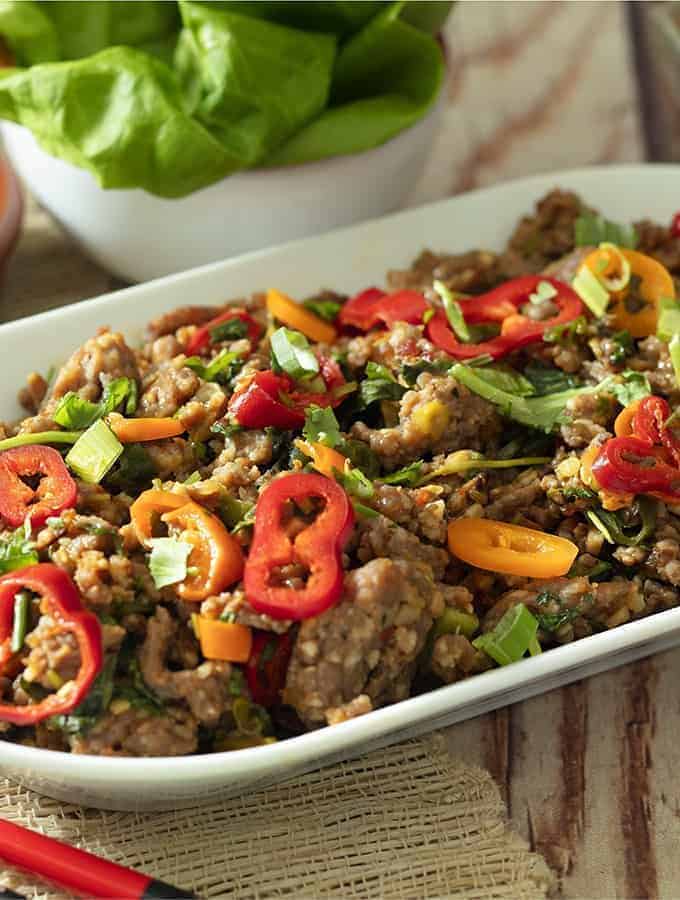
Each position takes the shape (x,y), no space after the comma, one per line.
(203,336)
(259,404)
(359,311)
(495,306)
(317,547)
(54,492)
(60,600)
(649,423)
(373,307)
(266,669)
(631,465)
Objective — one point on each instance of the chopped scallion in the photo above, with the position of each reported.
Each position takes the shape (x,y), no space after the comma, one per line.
(292,354)
(40,437)
(512,637)
(668,324)
(22,605)
(455,621)
(453,311)
(544,291)
(94,453)
(591,291)
(168,560)
(674,349)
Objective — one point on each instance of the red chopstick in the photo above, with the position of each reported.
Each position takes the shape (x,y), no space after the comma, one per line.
(77,870)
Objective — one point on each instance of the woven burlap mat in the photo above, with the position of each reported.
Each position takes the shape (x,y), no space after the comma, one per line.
(406,822)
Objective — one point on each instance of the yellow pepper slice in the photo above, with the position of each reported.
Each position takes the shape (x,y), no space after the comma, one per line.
(510,549)
(656,282)
(295,316)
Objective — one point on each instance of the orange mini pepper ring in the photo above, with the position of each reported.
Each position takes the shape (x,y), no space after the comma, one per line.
(149,507)
(510,549)
(216,555)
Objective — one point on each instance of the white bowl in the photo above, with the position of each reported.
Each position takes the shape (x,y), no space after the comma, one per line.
(138,236)
(346,260)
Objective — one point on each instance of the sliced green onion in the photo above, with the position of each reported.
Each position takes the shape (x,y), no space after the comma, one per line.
(674,349)
(669,319)
(40,437)
(591,291)
(193,478)
(94,453)
(222,368)
(234,511)
(465,460)
(512,637)
(455,621)
(615,284)
(364,511)
(292,354)
(168,560)
(409,475)
(453,311)
(22,605)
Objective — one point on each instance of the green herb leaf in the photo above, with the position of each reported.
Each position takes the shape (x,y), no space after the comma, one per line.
(231,330)
(379,384)
(321,426)
(325,309)
(234,511)
(553,621)
(453,311)
(506,379)
(630,386)
(548,379)
(411,371)
(292,354)
(168,560)
(622,347)
(543,413)
(95,704)
(77,414)
(134,469)
(361,456)
(566,333)
(355,483)
(591,230)
(410,475)
(221,369)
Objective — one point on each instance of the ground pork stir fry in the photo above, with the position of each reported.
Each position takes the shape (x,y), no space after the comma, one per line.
(274,517)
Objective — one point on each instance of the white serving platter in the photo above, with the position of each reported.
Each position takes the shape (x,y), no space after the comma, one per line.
(346,260)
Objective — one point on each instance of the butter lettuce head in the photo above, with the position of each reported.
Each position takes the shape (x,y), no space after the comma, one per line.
(172,97)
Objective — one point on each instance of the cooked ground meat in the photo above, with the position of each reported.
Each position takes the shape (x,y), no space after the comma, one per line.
(161,691)
(99,360)
(138,733)
(366,645)
(439,417)
(167,387)
(205,689)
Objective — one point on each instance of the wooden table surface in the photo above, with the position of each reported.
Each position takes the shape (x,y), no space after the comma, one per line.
(589,772)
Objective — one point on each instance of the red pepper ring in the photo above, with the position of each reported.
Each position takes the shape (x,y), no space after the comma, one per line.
(645,473)
(318,547)
(649,423)
(374,307)
(55,492)
(202,338)
(61,600)
(258,405)
(359,311)
(488,307)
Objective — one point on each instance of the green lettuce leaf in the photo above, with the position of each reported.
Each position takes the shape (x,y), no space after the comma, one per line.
(172,97)
(386,77)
